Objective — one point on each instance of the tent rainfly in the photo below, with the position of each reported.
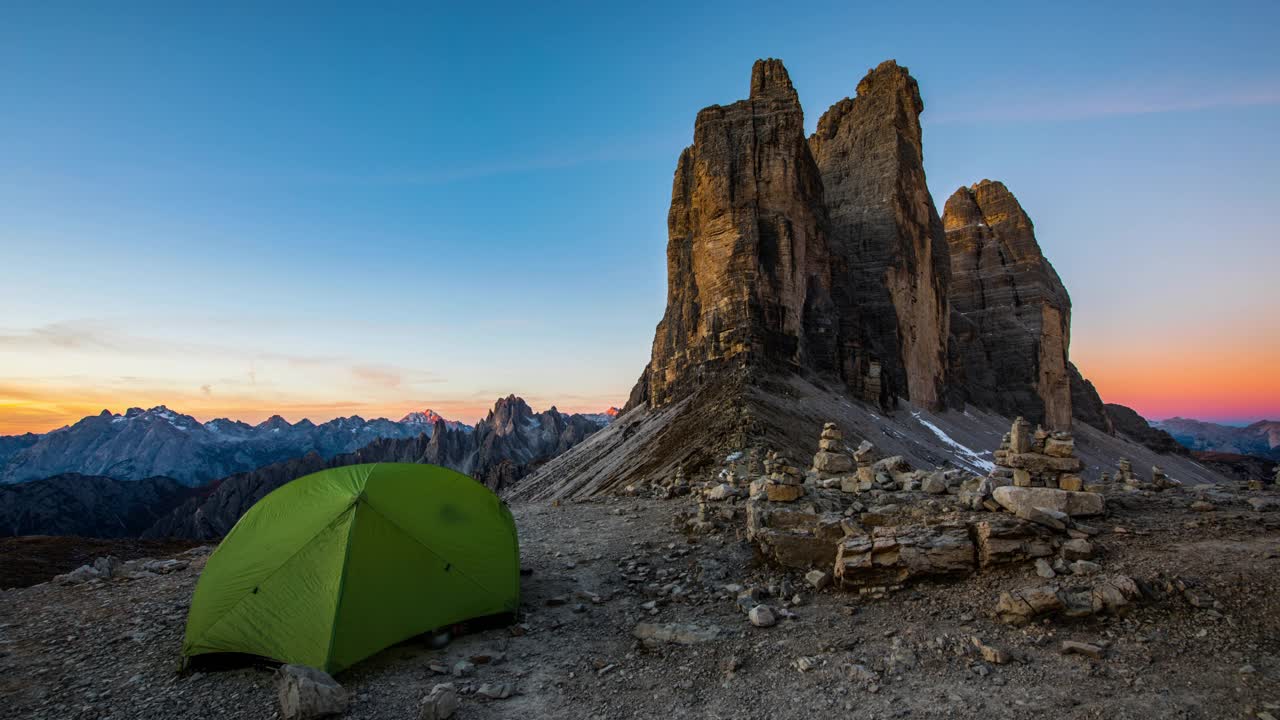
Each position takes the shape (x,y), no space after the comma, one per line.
(335,566)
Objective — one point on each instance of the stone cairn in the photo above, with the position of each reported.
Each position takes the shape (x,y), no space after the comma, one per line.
(1124,472)
(831,459)
(1038,459)
(783,481)
(1159,479)
(677,486)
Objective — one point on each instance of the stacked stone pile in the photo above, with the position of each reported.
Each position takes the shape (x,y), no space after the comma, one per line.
(783,481)
(675,487)
(831,460)
(884,558)
(797,535)
(1159,480)
(1038,459)
(1124,472)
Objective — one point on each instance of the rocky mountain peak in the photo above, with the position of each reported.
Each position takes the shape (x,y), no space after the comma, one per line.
(747,260)
(275,422)
(1012,314)
(891,79)
(770,80)
(889,251)
(507,414)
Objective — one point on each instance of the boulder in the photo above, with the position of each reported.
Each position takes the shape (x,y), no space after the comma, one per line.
(866,453)
(1074,483)
(783,493)
(1264,504)
(801,538)
(935,483)
(1077,549)
(305,693)
(496,691)
(1036,463)
(723,491)
(762,616)
(439,704)
(1093,652)
(895,555)
(653,634)
(107,567)
(1004,540)
(1019,607)
(819,579)
(1073,504)
(1111,596)
(832,462)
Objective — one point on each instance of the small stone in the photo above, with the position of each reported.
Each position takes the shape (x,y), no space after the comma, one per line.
(1202,506)
(652,634)
(1078,549)
(1074,483)
(805,664)
(1071,647)
(439,704)
(463,668)
(819,579)
(990,653)
(1264,504)
(1198,598)
(496,691)
(1043,569)
(783,493)
(861,673)
(1084,567)
(305,693)
(762,616)
(723,491)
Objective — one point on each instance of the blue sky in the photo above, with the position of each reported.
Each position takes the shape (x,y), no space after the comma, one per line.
(322,212)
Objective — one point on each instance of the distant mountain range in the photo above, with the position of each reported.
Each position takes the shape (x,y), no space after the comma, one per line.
(160,442)
(510,442)
(1261,439)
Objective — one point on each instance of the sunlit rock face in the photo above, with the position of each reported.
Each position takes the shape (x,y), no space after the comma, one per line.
(747,261)
(890,269)
(1011,323)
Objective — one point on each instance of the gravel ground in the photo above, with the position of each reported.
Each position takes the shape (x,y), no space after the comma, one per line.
(111,649)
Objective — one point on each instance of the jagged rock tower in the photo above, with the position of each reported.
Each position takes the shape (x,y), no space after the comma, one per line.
(1012,315)
(891,266)
(748,272)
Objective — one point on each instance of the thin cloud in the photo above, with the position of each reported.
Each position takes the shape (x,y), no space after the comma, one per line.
(555,159)
(1069,107)
(89,335)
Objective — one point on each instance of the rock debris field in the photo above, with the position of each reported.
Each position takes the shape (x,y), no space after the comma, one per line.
(626,616)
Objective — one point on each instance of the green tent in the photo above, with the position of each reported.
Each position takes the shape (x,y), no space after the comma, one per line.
(335,566)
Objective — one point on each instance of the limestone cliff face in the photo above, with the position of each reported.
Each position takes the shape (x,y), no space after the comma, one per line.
(1011,314)
(890,263)
(1086,404)
(747,260)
